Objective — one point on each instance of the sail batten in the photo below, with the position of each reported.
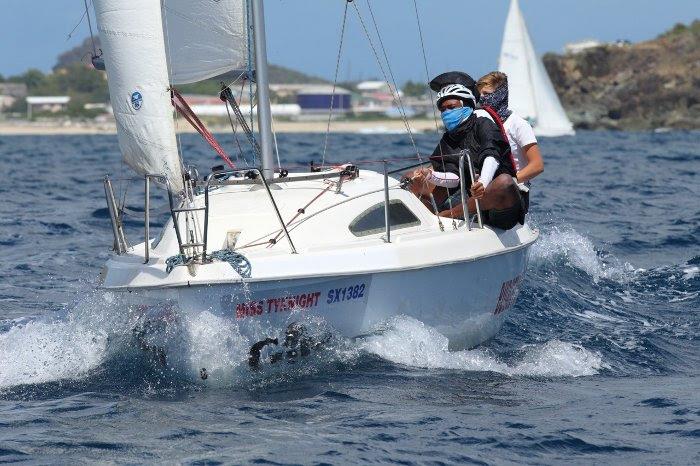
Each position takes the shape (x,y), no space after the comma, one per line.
(531,93)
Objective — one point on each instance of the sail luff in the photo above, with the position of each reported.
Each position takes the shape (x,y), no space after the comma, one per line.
(131,36)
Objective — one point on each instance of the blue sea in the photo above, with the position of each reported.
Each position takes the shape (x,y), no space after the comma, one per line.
(598,363)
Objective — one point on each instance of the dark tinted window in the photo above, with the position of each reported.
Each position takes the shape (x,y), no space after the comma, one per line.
(371,221)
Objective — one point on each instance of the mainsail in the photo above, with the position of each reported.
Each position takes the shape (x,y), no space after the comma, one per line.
(531,93)
(149,45)
(204,38)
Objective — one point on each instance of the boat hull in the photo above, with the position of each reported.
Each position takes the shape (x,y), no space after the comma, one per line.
(465,301)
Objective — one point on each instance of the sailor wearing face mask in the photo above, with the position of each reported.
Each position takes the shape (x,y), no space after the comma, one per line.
(475,131)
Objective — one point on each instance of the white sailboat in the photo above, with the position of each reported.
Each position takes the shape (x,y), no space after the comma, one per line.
(531,93)
(264,249)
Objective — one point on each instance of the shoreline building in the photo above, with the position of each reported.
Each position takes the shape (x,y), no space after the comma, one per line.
(11,93)
(49,103)
(315,101)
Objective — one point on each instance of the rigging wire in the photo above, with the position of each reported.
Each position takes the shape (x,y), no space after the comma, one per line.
(335,82)
(249,68)
(274,137)
(402,109)
(384,74)
(235,137)
(432,98)
(425,63)
(92,37)
(233,125)
(80,21)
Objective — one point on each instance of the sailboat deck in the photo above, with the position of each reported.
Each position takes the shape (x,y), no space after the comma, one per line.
(321,234)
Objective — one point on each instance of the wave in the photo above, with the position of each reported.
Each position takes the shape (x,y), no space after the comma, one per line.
(578,324)
(577,251)
(409,342)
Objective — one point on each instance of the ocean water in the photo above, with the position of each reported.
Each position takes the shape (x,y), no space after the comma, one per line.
(598,361)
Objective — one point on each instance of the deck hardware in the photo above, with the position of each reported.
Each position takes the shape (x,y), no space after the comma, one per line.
(386,203)
(120,243)
(476,201)
(463,192)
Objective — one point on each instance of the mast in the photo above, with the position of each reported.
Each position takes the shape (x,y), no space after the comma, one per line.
(263,88)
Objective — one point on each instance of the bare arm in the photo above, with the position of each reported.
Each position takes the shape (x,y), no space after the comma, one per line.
(535,164)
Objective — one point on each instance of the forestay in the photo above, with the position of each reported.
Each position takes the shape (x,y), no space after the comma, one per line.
(131,35)
(531,93)
(204,38)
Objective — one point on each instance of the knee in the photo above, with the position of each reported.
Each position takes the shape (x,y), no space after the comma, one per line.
(501,189)
(503,180)
(501,184)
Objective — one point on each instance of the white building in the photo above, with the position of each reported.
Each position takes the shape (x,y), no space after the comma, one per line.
(53,104)
(578,47)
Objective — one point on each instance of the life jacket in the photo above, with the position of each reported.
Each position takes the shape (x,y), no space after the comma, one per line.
(497,119)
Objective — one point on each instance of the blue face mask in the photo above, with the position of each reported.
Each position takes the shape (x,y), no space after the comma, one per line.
(452,118)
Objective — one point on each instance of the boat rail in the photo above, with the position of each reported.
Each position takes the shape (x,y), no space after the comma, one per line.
(194,246)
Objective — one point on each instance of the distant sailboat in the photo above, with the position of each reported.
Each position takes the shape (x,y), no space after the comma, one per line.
(532,95)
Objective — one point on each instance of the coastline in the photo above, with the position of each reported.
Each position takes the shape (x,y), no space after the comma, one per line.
(387,126)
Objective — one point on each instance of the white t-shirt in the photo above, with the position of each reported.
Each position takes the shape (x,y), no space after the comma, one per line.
(520,134)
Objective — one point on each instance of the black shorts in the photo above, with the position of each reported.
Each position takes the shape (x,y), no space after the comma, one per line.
(505,219)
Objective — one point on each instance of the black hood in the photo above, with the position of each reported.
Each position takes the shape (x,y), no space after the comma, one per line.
(454,77)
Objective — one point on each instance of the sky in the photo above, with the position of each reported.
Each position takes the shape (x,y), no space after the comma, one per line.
(303,34)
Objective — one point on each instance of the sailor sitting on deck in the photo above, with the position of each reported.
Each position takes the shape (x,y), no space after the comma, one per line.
(474,130)
(493,90)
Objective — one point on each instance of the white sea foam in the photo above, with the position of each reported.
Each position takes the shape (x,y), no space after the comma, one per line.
(60,348)
(690,272)
(45,351)
(214,343)
(579,252)
(412,343)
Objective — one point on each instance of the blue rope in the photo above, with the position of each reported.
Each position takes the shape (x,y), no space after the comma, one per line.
(174,261)
(237,261)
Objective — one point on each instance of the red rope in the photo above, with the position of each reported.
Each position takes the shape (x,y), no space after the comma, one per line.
(186,111)
(302,211)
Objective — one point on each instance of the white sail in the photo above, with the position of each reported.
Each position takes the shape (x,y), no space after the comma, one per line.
(131,35)
(204,38)
(531,93)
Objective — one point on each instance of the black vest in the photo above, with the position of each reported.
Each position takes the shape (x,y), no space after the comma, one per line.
(482,138)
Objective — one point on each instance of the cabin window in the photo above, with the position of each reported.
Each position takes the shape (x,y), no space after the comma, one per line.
(371,221)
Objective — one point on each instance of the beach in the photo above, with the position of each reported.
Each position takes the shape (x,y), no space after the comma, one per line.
(387,126)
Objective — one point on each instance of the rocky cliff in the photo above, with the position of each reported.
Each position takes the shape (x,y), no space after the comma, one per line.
(647,85)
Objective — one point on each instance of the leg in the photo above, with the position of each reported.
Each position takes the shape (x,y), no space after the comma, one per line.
(500,194)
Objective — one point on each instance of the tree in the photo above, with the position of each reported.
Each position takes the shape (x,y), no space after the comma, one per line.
(414,89)
(79,54)
(33,78)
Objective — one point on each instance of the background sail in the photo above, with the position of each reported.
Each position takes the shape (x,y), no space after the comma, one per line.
(204,38)
(131,35)
(531,93)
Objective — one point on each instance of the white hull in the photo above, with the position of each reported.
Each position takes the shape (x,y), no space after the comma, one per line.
(460,282)
(466,301)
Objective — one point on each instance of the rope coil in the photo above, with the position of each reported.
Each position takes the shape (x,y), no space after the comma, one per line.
(237,261)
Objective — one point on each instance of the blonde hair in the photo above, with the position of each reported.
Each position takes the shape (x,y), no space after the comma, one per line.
(495,79)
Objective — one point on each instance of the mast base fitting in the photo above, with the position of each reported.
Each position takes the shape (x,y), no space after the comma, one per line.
(351,171)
